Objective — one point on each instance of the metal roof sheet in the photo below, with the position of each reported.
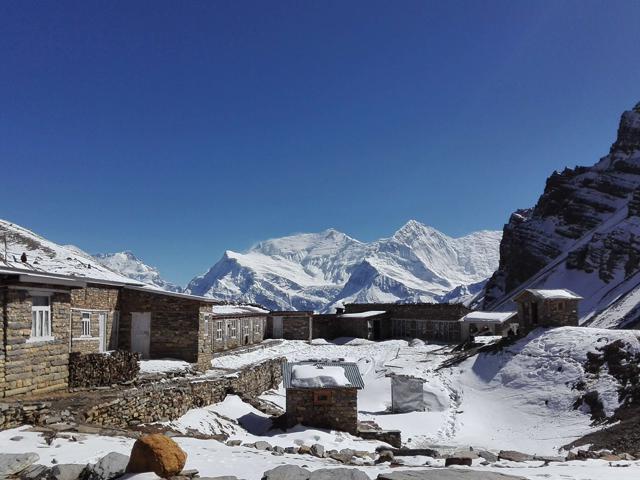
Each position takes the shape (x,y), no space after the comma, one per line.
(350,371)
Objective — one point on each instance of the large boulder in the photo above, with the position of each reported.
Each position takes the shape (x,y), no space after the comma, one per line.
(66,471)
(449,474)
(514,456)
(286,472)
(338,474)
(466,461)
(158,454)
(112,465)
(12,463)
(34,472)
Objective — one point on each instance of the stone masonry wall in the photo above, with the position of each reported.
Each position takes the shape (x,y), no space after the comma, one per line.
(340,413)
(174,323)
(35,366)
(170,400)
(102,369)
(96,300)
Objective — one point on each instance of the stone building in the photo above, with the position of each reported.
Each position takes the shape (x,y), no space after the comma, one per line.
(290,325)
(479,323)
(44,317)
(547,308)
(323,394)
(379,321)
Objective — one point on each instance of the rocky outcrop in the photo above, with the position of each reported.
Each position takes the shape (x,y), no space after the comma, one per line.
(582,234)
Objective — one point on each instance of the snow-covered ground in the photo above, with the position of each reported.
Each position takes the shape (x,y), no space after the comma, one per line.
(518,399)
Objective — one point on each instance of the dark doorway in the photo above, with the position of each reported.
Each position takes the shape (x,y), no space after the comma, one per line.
(534,313)
(376,330)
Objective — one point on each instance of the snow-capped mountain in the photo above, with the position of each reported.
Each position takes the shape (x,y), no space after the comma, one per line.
(43,255)
(127,264)
(316,271)
(583,234)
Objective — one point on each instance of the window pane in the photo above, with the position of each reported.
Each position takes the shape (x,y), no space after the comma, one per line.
(39,301)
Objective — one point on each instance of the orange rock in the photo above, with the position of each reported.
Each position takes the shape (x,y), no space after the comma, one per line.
(157,453)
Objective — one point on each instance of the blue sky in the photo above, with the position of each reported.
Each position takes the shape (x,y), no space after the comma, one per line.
(180,129)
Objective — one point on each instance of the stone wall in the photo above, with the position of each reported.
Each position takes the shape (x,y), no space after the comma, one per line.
(14,415)
(339,411)
(35,366)
(423,311)
(175,323)
(254,334)
(170,400)
(325,326)
(294,327)
(102,369)
(551,312)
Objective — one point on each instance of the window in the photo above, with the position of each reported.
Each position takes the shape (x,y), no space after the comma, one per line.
(86,324)
(218,329)
(40,317)
(322,397)
(233,328)
(245,326)
(115,329)
(206,326)
(256,325)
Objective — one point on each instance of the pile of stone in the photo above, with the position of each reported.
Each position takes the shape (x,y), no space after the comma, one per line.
(32,413)
(607,455)
(346,456)
(88,370)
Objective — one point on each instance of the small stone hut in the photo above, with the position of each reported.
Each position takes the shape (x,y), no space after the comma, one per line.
(547,308)
(479,323)
(323,394)
(290,325)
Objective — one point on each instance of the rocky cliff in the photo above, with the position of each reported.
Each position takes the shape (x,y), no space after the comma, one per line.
(583,234)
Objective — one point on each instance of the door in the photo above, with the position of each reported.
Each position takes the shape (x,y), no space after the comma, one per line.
(277,327)
(141,332)
(102,331)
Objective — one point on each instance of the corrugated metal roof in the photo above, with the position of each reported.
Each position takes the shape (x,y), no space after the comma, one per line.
(350,371)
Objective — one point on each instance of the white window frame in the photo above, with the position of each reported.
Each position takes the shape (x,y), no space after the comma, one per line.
(257,327)
(85,324)
(41,320)
(246,325)
(233,328)
(219,329)
(206,326)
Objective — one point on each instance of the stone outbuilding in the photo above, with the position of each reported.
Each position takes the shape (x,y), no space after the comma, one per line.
(290,325)
(480,323)
(547,308)
(323,394)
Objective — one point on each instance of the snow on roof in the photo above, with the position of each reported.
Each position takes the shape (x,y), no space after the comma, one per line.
(323,374)
(318,376)
(491,317)
(236,309)
(556,294)
(370,313)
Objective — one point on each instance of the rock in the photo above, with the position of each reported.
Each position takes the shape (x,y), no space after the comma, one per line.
(189,473)
(304,450)
(317,450)
(66,471)
(108,467)
(278,449)
(458,461)
(234,443)
(34,472)
(338,474)
(385,456)
(261,445)
(610,457)
(156,453)
(11,463)
(626,456)
(449,474)
(514,456)
(547,459)
(17,438)
(291,450)
(225,477)
(286,472)
(487,455)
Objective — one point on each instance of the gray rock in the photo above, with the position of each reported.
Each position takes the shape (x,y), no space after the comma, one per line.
(548,459)
(488,456)
(11,463)
(108,467)
(385,456)
(514,456)
(458,461)
(286,472)
(34,472)
(448,474)
(234,443)
(225,477)
(278,449)
(338,474)
(291,450)
(317,450)
(261,445)
(17,438)
(66,471)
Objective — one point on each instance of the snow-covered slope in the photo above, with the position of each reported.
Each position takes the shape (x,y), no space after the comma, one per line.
(46,256)
(127,264)
(314,271)
(581,235)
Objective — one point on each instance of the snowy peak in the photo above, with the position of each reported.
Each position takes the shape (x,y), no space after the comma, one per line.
(313,271)
(127,264)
